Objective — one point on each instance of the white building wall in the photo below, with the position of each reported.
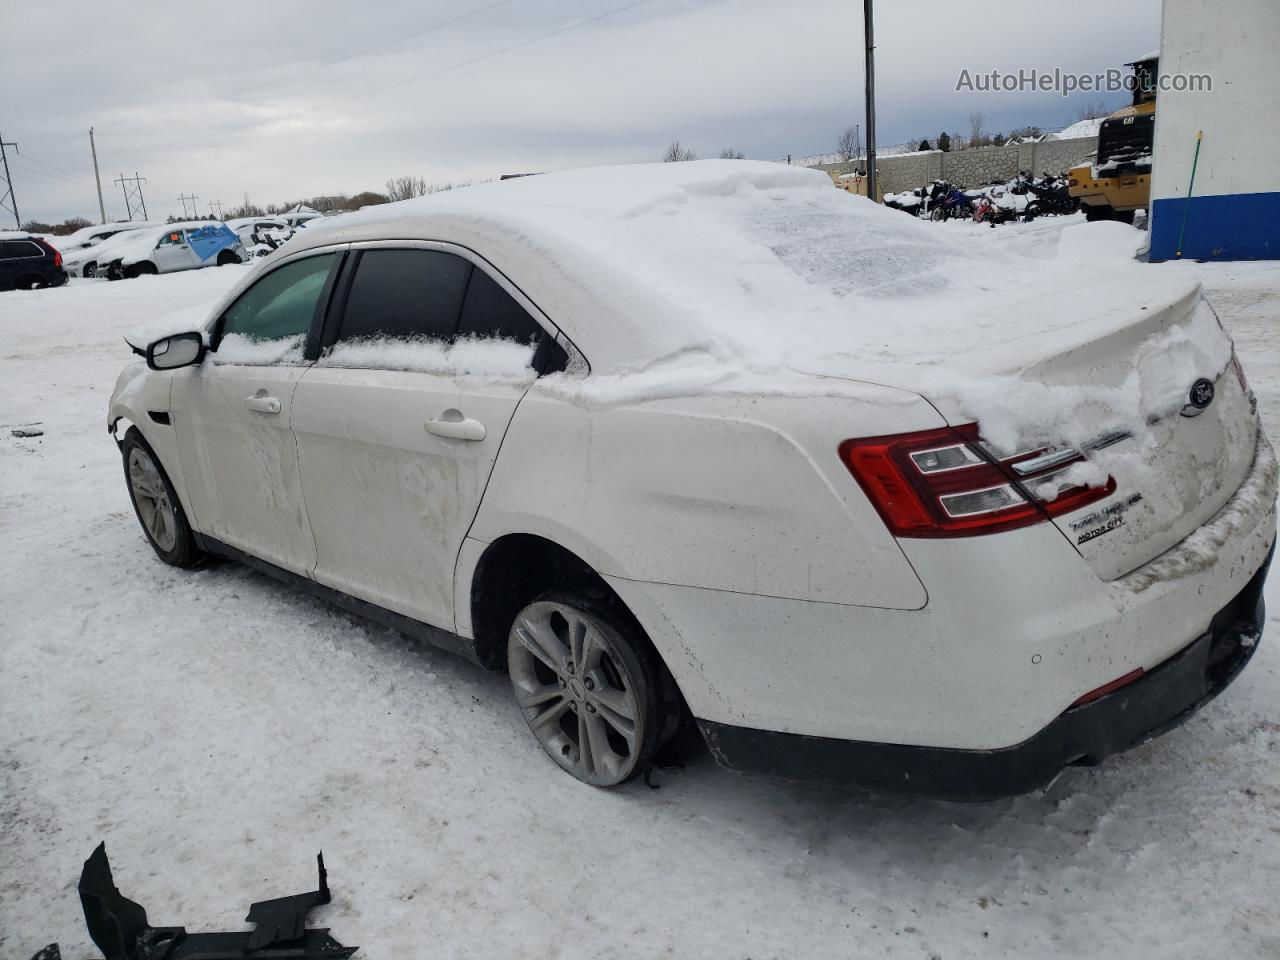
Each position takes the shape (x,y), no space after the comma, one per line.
(1237,42)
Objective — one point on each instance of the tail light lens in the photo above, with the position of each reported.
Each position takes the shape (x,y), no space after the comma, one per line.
(941,483)
(57,254)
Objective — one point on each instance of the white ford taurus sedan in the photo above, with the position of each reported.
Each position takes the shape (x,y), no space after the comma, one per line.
(714,443)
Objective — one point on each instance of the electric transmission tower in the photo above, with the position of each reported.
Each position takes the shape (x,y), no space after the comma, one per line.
(216,205)
(192,213)
(131,187)
(7,199)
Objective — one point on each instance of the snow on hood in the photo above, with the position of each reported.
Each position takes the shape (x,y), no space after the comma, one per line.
(737,268)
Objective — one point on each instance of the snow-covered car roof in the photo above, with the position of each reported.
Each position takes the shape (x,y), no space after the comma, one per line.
(82,236)
(16,235)
(756,265)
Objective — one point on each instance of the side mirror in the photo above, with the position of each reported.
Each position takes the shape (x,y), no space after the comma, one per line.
(180,350)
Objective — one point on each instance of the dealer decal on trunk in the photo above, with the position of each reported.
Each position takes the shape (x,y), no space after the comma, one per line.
(1098,522)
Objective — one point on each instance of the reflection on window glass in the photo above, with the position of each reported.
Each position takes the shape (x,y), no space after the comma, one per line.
(281,304)
(405,295)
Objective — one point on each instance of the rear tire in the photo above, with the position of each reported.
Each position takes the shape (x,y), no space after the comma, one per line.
(31,282)
(156,505)
(227,256)
(589,687)
(90,270)
(1095,213)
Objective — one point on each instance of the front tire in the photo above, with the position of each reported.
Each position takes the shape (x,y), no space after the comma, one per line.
(588,686)
(90,270)
(156,505)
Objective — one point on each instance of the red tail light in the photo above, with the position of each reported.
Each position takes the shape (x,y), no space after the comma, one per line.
(57,254)
(942,483)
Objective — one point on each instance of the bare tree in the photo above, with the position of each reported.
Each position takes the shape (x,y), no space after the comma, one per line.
(731,154)
(976,135)
(1092,111)
(849,146)
(406,188)
(677,154)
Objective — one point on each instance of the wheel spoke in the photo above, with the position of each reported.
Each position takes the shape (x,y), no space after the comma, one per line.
(597,738)
(540,641)
(550,714)
(618,710)
(536,697)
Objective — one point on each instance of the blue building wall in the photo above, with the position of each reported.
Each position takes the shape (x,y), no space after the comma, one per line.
(1243,226)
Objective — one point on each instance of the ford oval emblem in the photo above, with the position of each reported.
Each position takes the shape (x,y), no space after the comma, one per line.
(1200,397)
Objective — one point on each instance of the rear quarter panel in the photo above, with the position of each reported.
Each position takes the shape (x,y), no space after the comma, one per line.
(742,493)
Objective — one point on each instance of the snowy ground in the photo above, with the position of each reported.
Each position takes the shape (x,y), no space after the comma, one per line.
(216,729)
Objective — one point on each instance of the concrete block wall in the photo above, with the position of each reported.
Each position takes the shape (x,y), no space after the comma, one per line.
(972,168)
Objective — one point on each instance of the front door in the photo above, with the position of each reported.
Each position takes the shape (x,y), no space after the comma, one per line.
(232,415)
(398,426)
(173,252)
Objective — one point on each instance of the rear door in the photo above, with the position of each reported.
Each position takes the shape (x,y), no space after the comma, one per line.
(398,426)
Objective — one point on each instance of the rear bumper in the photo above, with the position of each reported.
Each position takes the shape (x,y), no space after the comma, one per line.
(1083,736)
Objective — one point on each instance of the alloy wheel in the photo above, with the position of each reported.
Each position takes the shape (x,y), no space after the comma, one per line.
(577,682)
(154,507)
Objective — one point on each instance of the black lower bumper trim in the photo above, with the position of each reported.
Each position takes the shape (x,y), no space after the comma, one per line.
(1085,735)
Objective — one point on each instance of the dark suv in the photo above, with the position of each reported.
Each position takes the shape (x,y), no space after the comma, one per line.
(28,263)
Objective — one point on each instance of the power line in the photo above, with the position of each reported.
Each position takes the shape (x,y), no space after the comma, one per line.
(378,46)
(35,171)
(486,56)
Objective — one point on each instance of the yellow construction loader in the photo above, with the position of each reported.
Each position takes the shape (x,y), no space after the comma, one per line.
(1117,182)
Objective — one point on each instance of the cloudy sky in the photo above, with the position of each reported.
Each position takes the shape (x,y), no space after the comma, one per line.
(282,99)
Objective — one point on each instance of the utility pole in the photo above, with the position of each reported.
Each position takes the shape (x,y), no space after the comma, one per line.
(871,99)
(133,193)
(12,204)
(216,204)
(102,210)
(184,197)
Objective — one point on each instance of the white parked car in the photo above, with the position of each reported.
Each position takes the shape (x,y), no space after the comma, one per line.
(261,235)
(90,236)
(168,249)
(83,260)
(716,442)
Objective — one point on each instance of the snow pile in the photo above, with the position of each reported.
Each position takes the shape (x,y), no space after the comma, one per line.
(485,357)
(1084,128)
(237,348)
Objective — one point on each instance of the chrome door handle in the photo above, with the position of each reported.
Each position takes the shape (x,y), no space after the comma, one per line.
(262,404)
(463,429)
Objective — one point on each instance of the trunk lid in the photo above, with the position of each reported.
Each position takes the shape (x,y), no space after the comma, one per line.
(1160,406)
(1144,383)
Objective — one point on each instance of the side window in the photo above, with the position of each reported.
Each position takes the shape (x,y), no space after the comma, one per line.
(14,250)
(489,311)
(170,239)
(404,295)
(282,304)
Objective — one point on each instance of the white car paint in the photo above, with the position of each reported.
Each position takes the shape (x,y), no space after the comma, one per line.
(166,249)
(766,578)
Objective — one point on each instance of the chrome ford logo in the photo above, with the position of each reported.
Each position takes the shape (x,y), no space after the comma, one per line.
(1200,397)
